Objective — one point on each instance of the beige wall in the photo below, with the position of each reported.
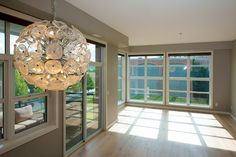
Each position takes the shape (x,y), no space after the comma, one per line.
(233,80)
(221,66)
(112,79)
(51,145)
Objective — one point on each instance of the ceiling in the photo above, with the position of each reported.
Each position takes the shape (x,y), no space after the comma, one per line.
(149,22)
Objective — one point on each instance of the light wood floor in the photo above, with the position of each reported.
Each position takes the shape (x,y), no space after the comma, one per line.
(142,132)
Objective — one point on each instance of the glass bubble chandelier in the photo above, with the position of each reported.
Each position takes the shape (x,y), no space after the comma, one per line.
(51,55)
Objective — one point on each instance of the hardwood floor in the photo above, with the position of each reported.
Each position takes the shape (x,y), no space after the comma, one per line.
(143,132)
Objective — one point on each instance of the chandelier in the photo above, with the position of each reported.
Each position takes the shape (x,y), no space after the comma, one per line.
(51,55)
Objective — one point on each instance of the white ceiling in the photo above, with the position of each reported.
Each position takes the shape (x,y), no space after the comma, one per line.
(148,22)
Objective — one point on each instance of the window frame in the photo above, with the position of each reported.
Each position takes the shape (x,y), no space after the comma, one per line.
(189,79)
(12,139)
(123,79)
(146,78)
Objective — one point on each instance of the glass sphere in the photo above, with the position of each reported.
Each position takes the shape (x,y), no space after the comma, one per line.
(51,55)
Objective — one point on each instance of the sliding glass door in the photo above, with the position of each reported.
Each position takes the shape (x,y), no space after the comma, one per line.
(93,114)
(74,115)
(84,103)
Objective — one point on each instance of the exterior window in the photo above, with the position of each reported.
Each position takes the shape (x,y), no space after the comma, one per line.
(24,110)
(28,112)
(121,79)
(2,37)
(189,79)
(146,78)
(84,102)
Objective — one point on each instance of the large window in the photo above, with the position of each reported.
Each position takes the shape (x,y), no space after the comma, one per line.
(189,79)
(23,107)
(121,79)
(146,76)
(29,112)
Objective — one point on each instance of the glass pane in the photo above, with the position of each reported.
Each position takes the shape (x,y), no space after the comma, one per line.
(180,85)
(30,113)
(154,71)
(74,99)
(154,60)
(155,96)
(201,72)
(136,95)
(199,86)
(15,30)
(178,71)
(1,120)
(137,60)
(199,60)
(120,96)
(120,66)
(137,83)
(178,60)
(199,99)
(1,79)
(121,81)
(95,51)
(136,70)
(93,99)
(2,37)
(177,97)
(21,87)
(119,84)
(155,84)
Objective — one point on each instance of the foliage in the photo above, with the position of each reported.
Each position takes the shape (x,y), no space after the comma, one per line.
(76,87)
(21,85)
(90,83)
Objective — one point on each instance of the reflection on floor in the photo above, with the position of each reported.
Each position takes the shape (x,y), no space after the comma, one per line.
(144,132)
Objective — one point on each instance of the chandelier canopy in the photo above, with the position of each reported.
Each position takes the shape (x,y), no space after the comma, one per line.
(51,55)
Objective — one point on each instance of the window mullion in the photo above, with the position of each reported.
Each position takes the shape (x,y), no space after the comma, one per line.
(146,90)
(9,108)
(188,80)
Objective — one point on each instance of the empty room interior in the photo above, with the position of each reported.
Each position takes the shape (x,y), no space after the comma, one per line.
(117,78)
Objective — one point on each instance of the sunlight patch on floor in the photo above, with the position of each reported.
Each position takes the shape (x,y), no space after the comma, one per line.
(126,120)
(213,131)
(220,143)
(148,123)
(198,129)
(144,132)
(189,128)
(119,128)
(182,137)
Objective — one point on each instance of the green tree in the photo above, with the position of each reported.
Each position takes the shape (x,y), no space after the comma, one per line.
(21,85)
(76,87)
(90,83)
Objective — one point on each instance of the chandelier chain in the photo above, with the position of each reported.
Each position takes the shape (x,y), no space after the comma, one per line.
(53,7)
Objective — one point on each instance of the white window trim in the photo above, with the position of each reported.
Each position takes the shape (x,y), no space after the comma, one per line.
(188,79)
